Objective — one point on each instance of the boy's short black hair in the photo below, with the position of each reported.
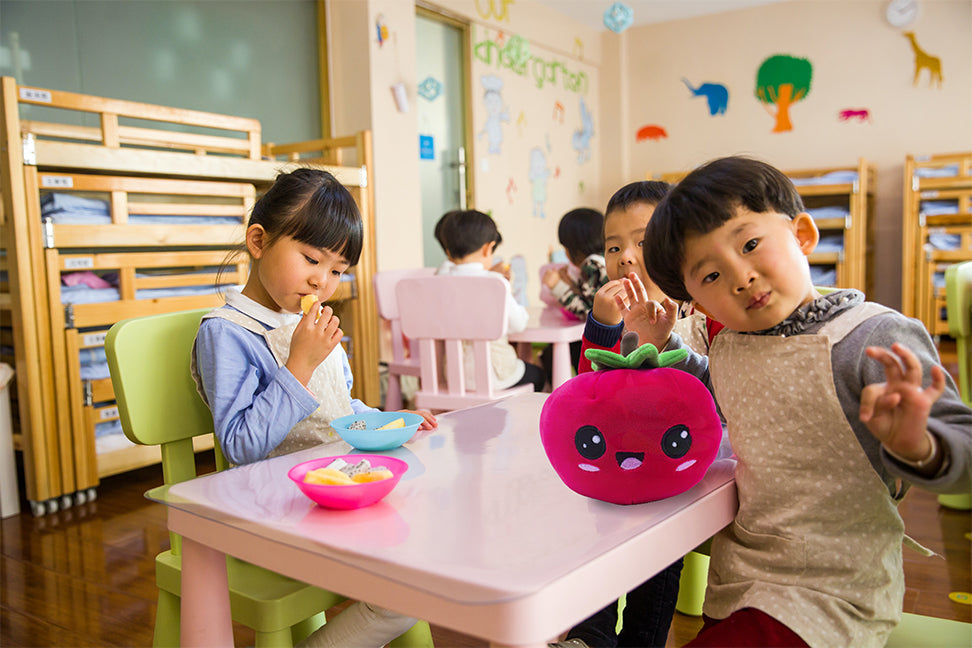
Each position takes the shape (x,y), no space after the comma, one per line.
(581,232)
(440,226)
(462,232)
(649,192)
(704,200)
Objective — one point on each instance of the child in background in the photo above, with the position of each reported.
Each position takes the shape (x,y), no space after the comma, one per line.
(469,239)
(830,410)
(275,379)
(581,232)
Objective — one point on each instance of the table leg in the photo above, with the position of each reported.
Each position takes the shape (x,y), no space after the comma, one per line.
(561,364)
(205,607)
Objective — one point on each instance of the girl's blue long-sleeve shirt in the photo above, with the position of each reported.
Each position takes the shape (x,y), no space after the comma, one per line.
(254,402)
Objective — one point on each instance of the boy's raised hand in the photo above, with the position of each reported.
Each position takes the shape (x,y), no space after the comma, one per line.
(896,411)
(312,342)
(606,309)
(652,321)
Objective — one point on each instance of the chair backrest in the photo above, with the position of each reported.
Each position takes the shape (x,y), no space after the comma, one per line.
(545,295)
(451,311)
(385,283)
(958,305)
(158,404)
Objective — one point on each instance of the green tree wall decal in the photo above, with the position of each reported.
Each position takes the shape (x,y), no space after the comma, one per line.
(783,80)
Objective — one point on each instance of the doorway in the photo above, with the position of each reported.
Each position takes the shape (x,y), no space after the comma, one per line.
(443,119)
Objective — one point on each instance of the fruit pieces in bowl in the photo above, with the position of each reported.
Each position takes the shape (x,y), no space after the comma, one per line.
(341,473)
(377,431)
(349,495)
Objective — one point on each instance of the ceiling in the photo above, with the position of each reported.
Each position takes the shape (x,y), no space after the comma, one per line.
(591,12)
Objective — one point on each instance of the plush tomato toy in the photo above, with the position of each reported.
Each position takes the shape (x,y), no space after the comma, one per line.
(636,430)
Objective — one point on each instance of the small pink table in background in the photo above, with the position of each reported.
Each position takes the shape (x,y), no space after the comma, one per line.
(553,326)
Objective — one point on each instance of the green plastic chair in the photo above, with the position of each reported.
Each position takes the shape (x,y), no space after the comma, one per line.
(958,305)
(917,631)
(158,405)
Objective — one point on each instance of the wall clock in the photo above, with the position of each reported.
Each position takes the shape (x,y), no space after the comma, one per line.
(901,13)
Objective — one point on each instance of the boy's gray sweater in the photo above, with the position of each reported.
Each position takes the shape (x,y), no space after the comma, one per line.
(950,420)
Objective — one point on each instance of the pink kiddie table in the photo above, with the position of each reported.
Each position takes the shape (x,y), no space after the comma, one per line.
(552,325)
(480,536)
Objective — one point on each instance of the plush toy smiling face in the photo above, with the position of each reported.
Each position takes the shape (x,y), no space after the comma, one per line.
(631,435)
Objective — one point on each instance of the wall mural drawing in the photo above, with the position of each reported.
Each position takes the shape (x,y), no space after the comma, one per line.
(497,113)
(538,179)
(783,80)
(716,94)
(924,60)
(581,140)
(858,114)
(650,132)
(516,57)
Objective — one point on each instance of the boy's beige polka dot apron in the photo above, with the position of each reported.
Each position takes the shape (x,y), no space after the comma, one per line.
(816,543)
(327,384)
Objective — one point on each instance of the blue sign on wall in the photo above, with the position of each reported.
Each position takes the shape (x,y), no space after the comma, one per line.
(426,147)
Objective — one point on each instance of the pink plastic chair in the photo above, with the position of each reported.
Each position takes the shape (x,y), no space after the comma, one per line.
(545,295)
(401,364)
(443,312)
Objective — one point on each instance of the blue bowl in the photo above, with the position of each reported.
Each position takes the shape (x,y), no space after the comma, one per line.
(373,439)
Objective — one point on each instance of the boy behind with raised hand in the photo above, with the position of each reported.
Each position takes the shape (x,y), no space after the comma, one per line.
(630,300)
(831,404)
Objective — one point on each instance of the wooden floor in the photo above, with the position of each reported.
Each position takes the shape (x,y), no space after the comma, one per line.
(85,576)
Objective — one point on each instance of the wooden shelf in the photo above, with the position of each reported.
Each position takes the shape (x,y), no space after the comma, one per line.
(944,180)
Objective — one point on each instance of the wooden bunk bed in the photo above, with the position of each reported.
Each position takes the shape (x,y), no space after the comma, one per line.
(840,200)
(152,213)
(936,232)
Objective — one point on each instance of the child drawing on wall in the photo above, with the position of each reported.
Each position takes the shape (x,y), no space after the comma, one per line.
(582,137)
(496,112)
(538,178)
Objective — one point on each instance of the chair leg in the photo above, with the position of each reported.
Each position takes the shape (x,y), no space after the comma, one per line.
(691,587)
(305,628)
(166,621)
(393,395)
(418,636)
(275,639)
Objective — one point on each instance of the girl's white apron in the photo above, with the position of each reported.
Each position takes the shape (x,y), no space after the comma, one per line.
(816,543)
(327,384)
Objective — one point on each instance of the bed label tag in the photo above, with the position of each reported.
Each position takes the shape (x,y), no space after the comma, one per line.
(108,413)
(928,194)
(57,182)
(34,94)
(78,263)
(93,339)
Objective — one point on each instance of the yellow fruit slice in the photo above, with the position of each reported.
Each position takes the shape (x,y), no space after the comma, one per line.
(327,476)
(307,302)
(397,423)
(372,476)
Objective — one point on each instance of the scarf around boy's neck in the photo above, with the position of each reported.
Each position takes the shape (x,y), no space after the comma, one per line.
(820,309)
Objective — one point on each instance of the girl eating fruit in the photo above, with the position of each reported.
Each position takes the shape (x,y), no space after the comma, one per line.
(275,379)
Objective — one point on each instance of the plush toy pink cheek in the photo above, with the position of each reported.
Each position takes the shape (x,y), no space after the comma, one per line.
(630,436)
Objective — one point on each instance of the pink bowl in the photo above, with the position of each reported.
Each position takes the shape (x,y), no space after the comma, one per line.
(352,496)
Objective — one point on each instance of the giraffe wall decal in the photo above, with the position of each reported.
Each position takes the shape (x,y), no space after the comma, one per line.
(925,60)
